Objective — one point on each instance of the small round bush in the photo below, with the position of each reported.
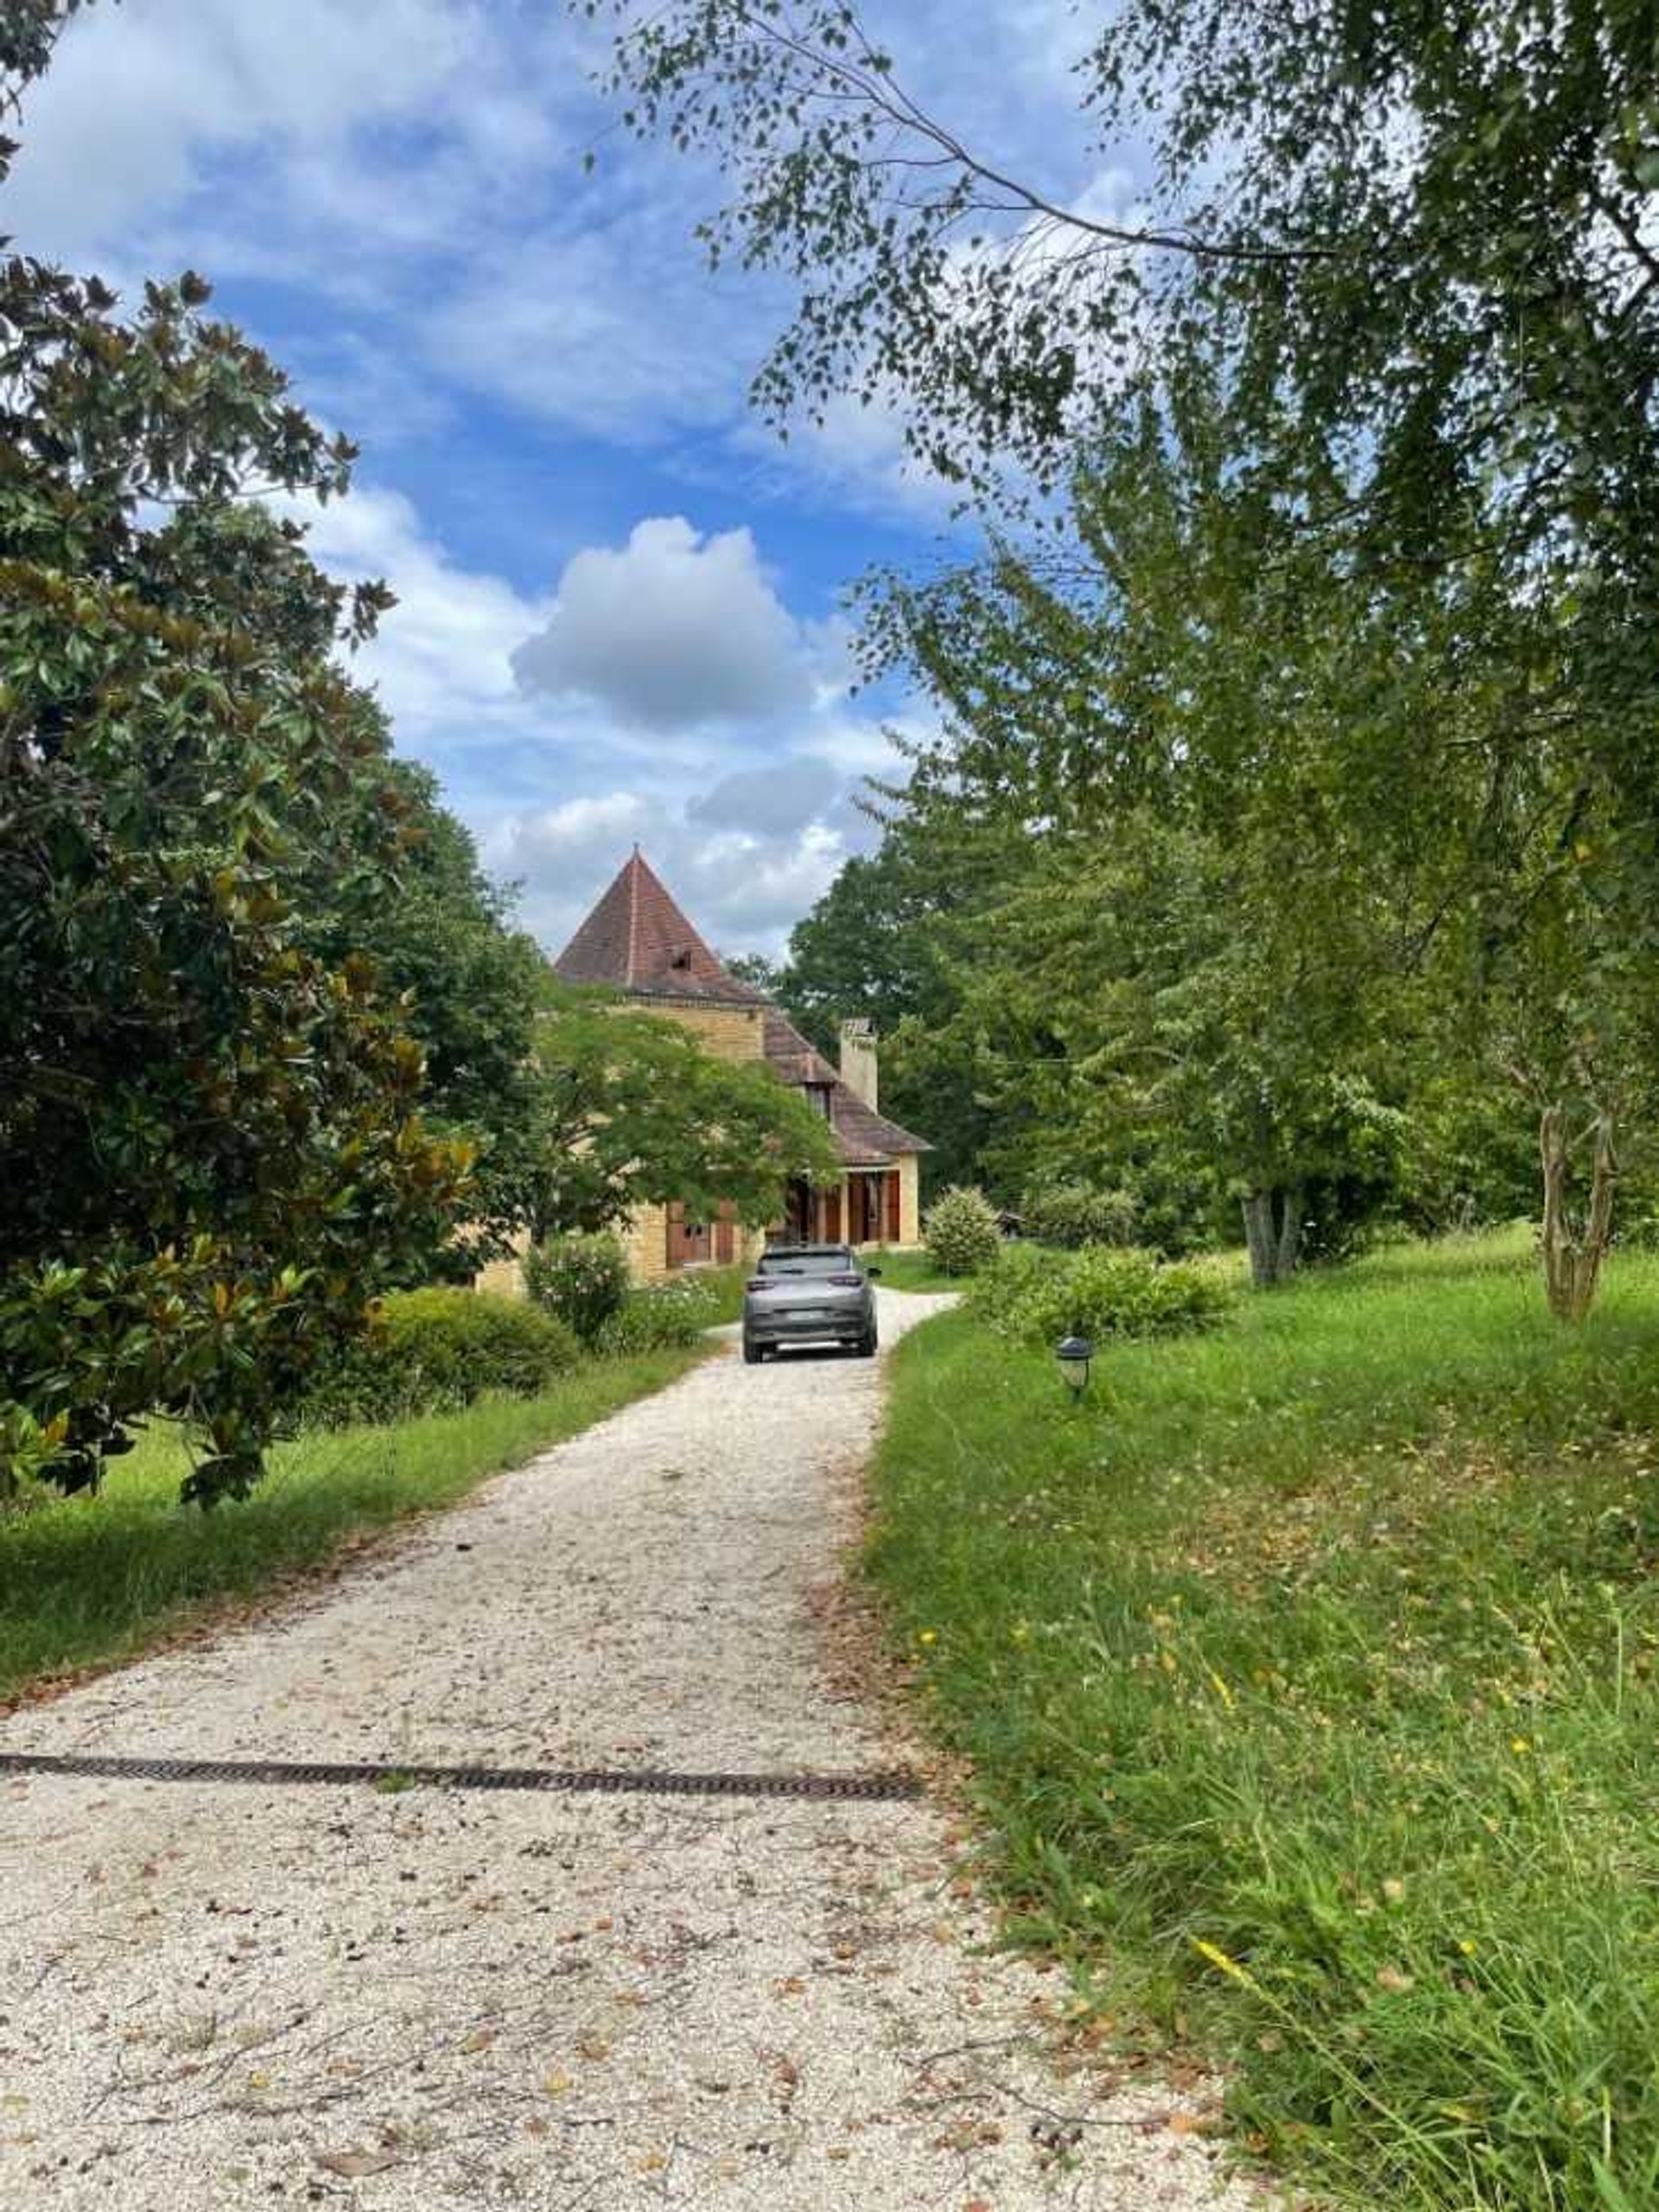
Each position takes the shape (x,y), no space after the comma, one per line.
(432,1350)
(961,1232)
(1071,1214)
(1039,1297)
(583,1279)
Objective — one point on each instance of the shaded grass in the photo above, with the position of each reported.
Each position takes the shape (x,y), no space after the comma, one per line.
(91,1582)
(1308,1670)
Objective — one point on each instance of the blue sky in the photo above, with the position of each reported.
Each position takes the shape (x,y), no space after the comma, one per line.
(619,594)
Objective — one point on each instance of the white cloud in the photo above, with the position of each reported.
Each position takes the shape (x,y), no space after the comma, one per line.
(616,329)
(137,96)
(770,802)
(853,457)
(443,659)
(744,891)
(594,833)
(673,631)
(747,841)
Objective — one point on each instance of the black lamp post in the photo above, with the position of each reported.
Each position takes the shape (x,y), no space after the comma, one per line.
(1074,1354)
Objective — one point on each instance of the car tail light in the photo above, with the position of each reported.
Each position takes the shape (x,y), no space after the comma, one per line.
(759,1282)
(846,1282)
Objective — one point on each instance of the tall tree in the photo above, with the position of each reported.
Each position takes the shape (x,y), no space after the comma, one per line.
(212,1151)
(1414,246)
(471,986)
(1431,226)
(1355,774)
(627,1110)
(883,943)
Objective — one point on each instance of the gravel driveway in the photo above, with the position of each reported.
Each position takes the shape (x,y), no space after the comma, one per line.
(232,1995)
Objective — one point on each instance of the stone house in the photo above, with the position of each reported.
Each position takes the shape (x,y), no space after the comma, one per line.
(637,941)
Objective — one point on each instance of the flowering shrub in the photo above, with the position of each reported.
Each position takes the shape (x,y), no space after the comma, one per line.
(1040,1296)
(961,1232)
(670,1313)
(582,1278)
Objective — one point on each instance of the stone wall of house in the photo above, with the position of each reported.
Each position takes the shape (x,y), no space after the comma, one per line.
(910,1199)
(645,1238)
(730,1032)
(506,1277)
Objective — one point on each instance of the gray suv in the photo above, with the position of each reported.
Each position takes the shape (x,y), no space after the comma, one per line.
(809,1294)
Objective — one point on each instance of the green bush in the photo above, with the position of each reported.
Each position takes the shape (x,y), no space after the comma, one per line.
(666,1315)
(433,1351)
(1071,1214)
(960,1231)
(1037,1296)
(582,1280)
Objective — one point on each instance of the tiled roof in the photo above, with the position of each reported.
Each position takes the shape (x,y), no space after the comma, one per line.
(795,1057)
(863,1137)
(866,1138)
(637,940)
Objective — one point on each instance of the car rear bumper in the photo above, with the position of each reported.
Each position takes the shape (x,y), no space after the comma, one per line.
(847,1328)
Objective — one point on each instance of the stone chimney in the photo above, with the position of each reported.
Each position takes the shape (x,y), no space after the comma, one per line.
(858,1061)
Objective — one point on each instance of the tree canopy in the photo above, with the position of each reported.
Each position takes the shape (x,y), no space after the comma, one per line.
(214,1154)
(630,1109)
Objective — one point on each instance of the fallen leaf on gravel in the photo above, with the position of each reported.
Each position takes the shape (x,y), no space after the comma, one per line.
(555,2084)
(480,2039)
(594,2046)
(349,2165)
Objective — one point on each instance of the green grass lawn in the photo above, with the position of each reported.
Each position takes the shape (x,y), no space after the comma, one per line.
(1307,1669)
(912,1271)
(89,1582)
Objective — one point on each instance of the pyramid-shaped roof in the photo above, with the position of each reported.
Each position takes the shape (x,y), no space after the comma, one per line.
(637,940)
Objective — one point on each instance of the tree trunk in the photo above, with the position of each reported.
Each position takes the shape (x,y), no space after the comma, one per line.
(1273,1231)
(1292,1204)
(1573,1250)
(1257,1208)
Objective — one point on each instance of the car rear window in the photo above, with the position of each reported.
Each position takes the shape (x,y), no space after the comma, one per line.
(805,1263)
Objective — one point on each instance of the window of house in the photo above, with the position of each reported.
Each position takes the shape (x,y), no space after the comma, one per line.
(817,1097)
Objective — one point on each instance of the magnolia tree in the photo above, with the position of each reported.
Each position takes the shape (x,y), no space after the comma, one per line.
(212,1148)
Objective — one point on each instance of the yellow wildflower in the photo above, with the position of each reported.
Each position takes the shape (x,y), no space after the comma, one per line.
(927,1635)
(1220,1960)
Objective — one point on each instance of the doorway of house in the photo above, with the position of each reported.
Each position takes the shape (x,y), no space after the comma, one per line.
(689,1242)
(873,1207)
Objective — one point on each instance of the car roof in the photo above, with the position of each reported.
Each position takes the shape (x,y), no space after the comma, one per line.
(807,1252)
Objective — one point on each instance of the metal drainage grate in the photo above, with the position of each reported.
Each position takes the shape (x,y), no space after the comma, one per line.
(645,1782)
